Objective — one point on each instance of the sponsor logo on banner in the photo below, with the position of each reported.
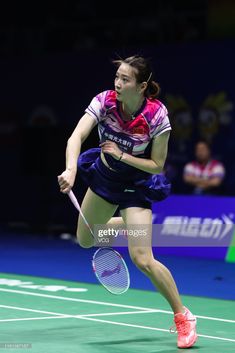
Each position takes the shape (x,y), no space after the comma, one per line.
(197,226)
(196,231)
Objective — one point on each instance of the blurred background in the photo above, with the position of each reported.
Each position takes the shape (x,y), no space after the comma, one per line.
(55,57)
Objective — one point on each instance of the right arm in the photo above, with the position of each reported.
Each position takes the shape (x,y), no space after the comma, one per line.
(203,183)
(192,180)
(189,176)
(79,135)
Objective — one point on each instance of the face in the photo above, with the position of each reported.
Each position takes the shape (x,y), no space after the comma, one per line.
(202,152)
(125,83)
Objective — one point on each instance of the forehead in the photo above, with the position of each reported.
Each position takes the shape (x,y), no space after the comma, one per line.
(127,70)
(201,146)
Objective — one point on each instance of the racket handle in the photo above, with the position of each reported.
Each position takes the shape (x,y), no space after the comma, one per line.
(74,200)
(76,204)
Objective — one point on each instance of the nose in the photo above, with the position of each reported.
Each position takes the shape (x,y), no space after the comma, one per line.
(117,83)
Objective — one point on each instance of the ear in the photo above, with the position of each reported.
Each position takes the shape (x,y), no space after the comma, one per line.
(143,86)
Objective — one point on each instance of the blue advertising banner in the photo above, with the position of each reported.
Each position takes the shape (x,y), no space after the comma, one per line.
(200,226)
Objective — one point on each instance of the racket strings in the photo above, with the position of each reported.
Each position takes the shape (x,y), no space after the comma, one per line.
(111,271)
(108,265)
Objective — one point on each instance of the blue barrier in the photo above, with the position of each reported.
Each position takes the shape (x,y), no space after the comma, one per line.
(198,226)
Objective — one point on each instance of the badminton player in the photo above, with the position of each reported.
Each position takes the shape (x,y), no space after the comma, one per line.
(125,171)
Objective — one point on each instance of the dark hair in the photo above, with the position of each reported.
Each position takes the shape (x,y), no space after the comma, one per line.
(204,142)
(144,73)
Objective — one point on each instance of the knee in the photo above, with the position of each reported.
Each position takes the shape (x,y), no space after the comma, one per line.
(85,245)
(85,242)
(143,261)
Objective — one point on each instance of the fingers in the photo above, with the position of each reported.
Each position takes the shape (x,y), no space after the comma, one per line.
(65,187)
(111,148)
(105,146)
(65,191)
(108,143)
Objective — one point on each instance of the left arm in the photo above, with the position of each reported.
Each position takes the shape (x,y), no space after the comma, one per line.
(210,183)
(154,165)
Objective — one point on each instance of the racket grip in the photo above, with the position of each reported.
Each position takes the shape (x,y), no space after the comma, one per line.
(76,204)
(74,200)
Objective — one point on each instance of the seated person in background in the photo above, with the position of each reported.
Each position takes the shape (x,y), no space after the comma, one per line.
(204,175)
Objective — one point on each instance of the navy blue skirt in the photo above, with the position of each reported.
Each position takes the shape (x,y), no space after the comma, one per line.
(120,186)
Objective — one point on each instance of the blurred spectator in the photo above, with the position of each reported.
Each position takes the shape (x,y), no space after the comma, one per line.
(204,175)
(182,139)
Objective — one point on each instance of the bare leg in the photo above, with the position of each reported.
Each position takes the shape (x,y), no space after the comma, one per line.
(96,211)
(142,256)
(116,221)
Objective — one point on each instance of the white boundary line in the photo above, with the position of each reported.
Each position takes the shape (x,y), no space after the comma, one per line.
(122,313)
(75,316)
(152,328)
(31,310)
(35,318)
(107,304)
(106,321)
(85,317)
(75,299)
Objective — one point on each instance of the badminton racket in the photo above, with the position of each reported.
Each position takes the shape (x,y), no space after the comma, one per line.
(108,265)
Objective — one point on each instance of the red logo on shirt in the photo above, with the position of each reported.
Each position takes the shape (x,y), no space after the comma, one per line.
(138,130)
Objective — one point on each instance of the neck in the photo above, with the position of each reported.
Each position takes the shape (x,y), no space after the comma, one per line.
(204,162)
(130,109)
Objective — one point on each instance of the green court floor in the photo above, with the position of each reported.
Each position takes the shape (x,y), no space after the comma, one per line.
(42,315)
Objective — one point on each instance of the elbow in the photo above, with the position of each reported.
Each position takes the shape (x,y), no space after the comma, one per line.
(158,168)
(74,139)
(217,183)
(69,141)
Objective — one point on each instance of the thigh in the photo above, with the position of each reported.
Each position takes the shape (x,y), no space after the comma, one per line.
(139,228)
(136,215)
(96,211)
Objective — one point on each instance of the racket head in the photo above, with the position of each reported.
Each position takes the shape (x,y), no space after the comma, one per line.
(111,270)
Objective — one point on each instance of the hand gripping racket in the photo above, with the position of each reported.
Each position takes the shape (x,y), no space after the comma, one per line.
(108,265)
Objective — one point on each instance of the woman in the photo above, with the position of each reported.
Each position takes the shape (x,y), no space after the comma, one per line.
(125,172)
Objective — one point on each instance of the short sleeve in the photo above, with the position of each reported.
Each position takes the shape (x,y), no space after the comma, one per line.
(96,107)
(219,170)
(189,169)
(160,122)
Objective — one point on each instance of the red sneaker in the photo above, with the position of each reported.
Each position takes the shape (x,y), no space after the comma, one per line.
(185,325)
